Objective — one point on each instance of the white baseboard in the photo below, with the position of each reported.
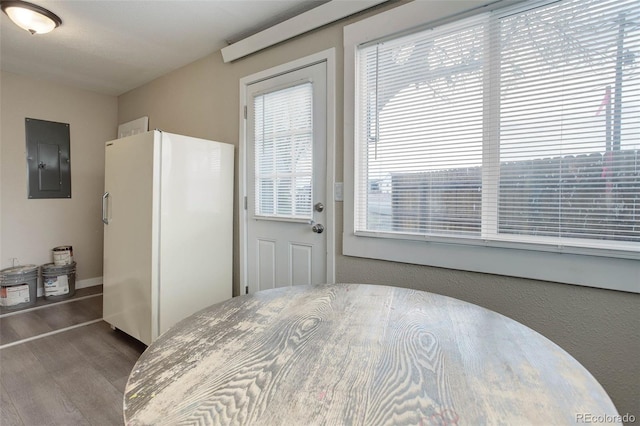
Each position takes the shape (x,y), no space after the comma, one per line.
(89,282)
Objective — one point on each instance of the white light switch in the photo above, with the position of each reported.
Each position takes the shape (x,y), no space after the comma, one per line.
(338,191)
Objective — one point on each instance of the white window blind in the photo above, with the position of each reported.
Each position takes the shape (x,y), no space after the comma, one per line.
(284,152)
(570,121)
(519,125)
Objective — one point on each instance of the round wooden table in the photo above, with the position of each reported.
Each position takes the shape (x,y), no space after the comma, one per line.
(355,354)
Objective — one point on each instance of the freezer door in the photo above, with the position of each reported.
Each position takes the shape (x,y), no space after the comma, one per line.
(128,235)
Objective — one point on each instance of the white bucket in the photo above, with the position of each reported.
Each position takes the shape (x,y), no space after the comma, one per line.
(18,286)
(62,255)
(59,281)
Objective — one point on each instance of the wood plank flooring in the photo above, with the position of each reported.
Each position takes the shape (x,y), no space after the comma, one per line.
(41,319)
(41,301)
(75,377)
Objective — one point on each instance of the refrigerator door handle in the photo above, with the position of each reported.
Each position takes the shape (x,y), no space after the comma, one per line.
(105,205)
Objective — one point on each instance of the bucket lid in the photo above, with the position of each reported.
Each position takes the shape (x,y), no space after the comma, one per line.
(62,248)
(18,270)
(52,267)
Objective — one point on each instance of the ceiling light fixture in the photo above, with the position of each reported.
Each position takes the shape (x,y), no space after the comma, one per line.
(31,17)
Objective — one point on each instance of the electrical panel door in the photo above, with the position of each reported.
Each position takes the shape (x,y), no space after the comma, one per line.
(48,159)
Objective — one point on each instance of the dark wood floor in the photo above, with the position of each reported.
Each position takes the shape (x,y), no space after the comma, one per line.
(75,377)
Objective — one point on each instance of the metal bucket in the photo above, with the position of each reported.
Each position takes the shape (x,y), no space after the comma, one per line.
(59,281)
(18,286)
(62,255)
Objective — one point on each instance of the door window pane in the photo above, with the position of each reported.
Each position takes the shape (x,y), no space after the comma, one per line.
(284,152)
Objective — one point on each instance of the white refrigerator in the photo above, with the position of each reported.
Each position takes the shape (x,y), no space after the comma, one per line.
(167,211)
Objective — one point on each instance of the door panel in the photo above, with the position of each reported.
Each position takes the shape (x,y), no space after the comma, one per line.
(300,264)
(286,175)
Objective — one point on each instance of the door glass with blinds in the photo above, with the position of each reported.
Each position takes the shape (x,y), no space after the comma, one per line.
(284,152)
(519,125)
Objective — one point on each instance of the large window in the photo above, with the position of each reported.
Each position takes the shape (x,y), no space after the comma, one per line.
(515,126)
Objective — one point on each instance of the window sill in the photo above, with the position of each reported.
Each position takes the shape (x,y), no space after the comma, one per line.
(578,266)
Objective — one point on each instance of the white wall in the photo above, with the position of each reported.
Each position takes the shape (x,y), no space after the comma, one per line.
(29,229)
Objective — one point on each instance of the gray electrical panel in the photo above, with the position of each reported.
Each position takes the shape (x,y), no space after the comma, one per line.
(48,159)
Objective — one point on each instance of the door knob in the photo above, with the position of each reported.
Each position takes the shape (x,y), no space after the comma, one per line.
(318,228)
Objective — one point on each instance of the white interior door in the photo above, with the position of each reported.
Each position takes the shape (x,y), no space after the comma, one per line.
(286,179)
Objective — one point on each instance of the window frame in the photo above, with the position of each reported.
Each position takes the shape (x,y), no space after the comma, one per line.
(592,267)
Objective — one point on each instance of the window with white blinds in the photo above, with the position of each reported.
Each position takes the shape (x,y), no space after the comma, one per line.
(521,125)
(284,152)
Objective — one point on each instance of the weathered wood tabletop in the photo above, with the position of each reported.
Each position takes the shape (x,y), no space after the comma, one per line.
(358,354)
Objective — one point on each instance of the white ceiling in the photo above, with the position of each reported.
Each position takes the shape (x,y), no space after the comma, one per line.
(114,46)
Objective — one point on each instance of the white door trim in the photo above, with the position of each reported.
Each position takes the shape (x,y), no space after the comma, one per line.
(327,56)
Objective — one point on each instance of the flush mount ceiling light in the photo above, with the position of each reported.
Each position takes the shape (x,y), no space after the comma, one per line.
(31,17)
